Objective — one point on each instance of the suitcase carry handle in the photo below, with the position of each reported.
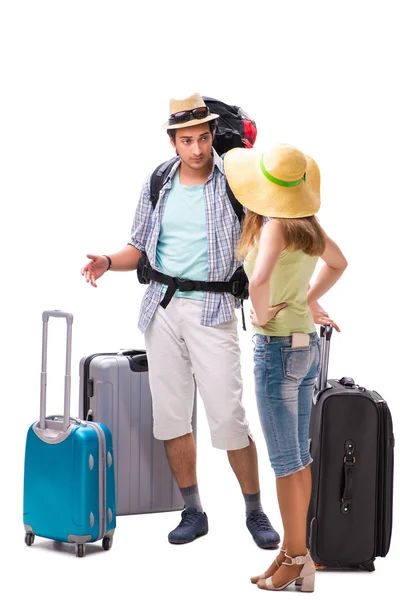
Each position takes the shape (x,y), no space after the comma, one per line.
(130,352)
(43,378)
(59,418)
(325,337)
(137,359)
(138,363)
(349,461)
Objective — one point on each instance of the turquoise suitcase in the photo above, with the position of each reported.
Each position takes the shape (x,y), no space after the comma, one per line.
(69,480)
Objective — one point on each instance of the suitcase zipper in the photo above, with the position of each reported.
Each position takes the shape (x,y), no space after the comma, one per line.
(88,383)
(385,479)
(102,477)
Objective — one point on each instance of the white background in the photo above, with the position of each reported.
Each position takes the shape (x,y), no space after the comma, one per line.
(85,90)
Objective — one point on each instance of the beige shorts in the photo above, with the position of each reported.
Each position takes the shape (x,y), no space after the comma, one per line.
(178,347)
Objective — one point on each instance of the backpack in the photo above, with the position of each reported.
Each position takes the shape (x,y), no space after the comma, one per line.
(235,128)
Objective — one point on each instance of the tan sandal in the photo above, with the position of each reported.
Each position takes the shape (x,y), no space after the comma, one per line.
(264,575)
(305,579)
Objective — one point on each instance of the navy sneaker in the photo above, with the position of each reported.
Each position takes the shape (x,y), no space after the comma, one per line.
(193,524)
(262,531)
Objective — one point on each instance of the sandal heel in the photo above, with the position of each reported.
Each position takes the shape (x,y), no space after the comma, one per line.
(308,583)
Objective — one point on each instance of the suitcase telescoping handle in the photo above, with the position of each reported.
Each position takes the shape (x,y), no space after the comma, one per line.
(325,337)
(43,380)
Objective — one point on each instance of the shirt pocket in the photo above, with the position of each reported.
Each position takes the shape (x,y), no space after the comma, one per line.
(296,362)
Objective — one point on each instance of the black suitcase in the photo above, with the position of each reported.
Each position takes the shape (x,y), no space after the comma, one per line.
(352,445)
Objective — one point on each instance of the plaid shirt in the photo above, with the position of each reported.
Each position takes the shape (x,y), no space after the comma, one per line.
(223,233)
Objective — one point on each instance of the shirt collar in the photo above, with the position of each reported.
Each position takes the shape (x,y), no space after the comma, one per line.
(218,162)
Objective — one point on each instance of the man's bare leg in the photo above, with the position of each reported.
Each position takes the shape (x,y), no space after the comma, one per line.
(181,454)
(244,463)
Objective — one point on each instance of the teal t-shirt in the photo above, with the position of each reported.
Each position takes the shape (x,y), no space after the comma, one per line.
(182,243)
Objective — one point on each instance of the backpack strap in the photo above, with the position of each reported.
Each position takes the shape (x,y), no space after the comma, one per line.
(237,207)
(158,178)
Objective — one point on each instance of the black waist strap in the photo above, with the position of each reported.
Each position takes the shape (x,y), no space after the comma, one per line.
(187,285)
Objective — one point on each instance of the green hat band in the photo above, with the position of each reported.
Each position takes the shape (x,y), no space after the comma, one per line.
(281,182)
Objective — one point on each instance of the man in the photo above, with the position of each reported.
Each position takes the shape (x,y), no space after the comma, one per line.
(192,234)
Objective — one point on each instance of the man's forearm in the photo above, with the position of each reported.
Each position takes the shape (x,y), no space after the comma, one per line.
(126,259)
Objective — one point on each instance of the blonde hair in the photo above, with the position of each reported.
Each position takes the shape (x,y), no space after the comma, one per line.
(300,234)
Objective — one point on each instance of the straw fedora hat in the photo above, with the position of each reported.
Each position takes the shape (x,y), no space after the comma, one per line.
(187,109)
(282,182)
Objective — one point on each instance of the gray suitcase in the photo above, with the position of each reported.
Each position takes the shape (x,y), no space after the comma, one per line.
(114,390)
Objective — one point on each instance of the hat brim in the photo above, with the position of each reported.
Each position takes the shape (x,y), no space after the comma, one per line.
(254,191)
(192,122)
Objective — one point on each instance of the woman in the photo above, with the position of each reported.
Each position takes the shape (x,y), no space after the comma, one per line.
(281,253)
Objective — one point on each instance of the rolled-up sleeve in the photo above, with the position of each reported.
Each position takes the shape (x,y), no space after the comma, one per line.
(141,226)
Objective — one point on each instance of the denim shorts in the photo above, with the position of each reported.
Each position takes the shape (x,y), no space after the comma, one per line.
(284,383)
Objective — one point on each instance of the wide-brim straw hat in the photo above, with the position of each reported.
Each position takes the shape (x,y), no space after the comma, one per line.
(187,104)
(281,182)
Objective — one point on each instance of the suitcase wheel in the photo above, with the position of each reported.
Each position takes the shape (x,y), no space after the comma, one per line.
(107,543)
(80,550)
(29,538)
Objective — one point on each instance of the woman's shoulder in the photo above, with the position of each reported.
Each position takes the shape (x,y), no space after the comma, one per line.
(272,227)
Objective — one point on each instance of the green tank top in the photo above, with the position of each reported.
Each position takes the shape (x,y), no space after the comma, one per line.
(289,283)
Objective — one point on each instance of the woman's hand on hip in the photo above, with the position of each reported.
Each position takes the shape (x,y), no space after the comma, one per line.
(271,312)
